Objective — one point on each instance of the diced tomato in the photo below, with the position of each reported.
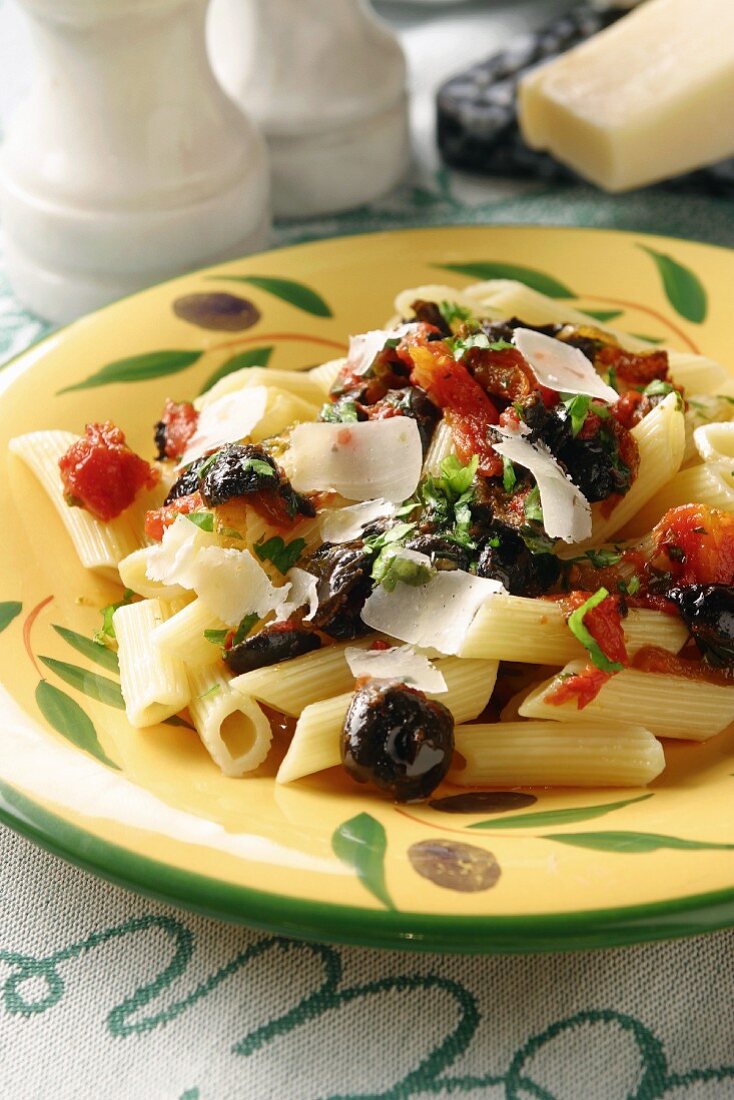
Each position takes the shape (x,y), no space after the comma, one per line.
(631,408)
(603,622)
(175,428)
(467,409)
(380,644)
(501,372)
(695,544)
(634,368)
(510,418)
(652,658)
(101,474)
(158,520)
(583,687)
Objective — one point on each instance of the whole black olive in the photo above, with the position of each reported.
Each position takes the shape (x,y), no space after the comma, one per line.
(397,739)
(708,612)
(238,469)
(278,642)
(506,558)
(444,553)
(188,481)
(344,583)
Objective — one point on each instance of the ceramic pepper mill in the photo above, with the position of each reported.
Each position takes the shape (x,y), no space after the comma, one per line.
(325,80)
(127,163)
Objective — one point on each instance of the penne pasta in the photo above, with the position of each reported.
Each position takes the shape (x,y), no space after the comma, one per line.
(232,727)
(293,685)
(100,546)
(560,754)
(515,628)
(133,574)
(154,684)
(669,706)
(442,445)
(315,744)
(299,384)
(325,376)
(182,635)
(706,483)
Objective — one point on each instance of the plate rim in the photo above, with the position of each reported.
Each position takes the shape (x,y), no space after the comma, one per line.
(300,918)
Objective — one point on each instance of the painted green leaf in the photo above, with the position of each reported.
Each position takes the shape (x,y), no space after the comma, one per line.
(288,290)
(139,368)
(253,357)
(556,817)
(66,716)
(491,269)
(90,683)
(648,339)
(632,842)
(684,290)
(9,610)
(177,720)
(604,315)
(361,844)
(100,654)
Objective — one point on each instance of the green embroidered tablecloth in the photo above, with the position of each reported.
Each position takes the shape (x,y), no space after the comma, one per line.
(106,994)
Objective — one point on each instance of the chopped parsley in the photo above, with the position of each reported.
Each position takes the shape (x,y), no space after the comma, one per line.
(580,632)
(460,345)
(390,569)
(630,587)
(211,691)
(244,628)
(533,507)
(259,466)
(106,632)
(204,470)
(453,313)
(578,405)
(216,637)
(600,559)
(340,412)
(283,555)
(509,477)
(203,520)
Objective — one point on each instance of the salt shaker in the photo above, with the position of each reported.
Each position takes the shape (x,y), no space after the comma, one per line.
(127,163)
(326,81)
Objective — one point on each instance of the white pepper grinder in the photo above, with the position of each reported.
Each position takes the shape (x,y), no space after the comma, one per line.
(326,81)
(126,164)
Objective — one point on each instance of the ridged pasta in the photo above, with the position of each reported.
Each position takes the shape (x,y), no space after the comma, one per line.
(669,706)
(706,484)
(133,575)
(325,376)
(182,635)
(100,546)
(561,754)
(315,744)
(298,383)
(232,727)
(516,628)
(154,684)
(295,684)
(441,446)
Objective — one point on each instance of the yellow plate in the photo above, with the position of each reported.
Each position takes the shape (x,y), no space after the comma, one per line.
(323,857)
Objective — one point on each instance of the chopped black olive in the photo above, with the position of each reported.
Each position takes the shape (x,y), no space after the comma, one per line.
(344,583)
(160,436)
(550,426)
(505,557)
(708,612)
(594,466)
(430,314)
(397,739)
(278,642)
(188,481)
(443,552)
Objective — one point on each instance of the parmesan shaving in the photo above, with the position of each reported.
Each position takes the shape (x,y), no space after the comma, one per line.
(400,663)
(438,614)
(232,584)
(561,366)
(303,590)
(173,560)
(375,458)
(364,349)
(346,524)
(227,420)
(566,511)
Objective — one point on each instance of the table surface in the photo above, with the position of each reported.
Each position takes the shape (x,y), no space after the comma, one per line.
(108,994)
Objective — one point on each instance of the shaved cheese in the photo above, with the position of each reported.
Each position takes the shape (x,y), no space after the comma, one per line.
(227,420)
(345,524)
(561,366)
(566,511)
(399,663)
(364,349)
(303,589)
(438,613)
(173,561)
(232,584)
(376,458)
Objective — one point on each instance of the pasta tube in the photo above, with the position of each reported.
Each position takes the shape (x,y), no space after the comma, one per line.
(182,635)
(560,754)
(232,727)
(298,383)
(154,684)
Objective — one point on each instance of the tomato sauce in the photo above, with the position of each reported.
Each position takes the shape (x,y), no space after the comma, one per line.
(158,520)
(102,475)
(175,428)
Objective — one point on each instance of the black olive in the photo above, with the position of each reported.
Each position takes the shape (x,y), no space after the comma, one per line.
(429,314)
(344,583)
(506,558)
(594,466)
(397,739)
(444,553)
(708,612)
(188,481)
(549,426)
(160,437)
(279,642)
(237,470)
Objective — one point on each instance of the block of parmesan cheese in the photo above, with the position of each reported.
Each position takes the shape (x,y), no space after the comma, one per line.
(648,98)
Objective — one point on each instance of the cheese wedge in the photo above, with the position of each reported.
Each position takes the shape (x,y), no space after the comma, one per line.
(648,98)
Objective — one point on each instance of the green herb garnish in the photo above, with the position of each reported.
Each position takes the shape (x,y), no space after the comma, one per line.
(390,569)
(339,412)
(453,313)
(216,637)
(259,466)
(203,520)
(590,644)
(244,628)
(533,507)
(106,632)
(283,555)
(509,477)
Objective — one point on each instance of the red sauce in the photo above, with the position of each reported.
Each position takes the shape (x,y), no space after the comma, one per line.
(653,659)
(178,421)
(695,544)
(158,520)
(634,368)
(101,474)
(583,687)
